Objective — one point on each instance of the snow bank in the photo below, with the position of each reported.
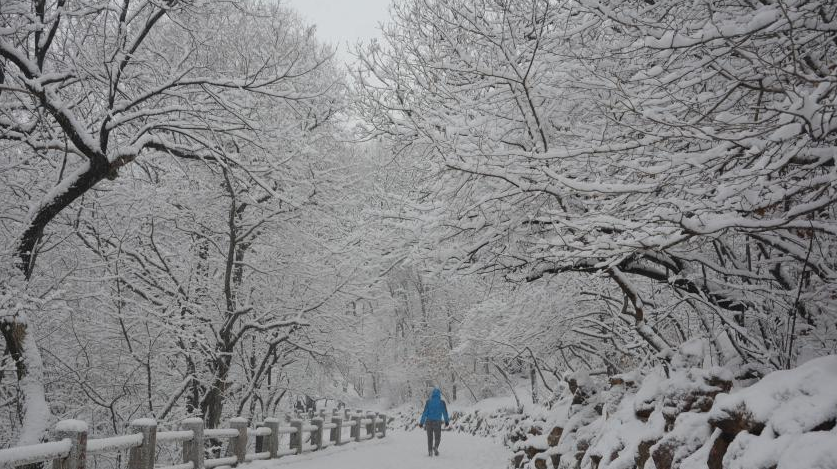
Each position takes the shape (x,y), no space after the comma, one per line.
(787,402)
(786,420)
(687,417)
(692,418)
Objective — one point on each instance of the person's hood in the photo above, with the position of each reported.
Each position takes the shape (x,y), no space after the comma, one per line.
(436,394)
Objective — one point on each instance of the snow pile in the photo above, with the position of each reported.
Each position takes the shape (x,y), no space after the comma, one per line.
(787,420)
(688,418)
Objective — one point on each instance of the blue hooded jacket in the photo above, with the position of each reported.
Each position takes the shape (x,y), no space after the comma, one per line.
(435,408)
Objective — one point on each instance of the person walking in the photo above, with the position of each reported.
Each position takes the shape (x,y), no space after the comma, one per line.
(435,411)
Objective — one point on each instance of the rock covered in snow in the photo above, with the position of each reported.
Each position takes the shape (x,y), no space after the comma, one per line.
(783,402)
(785,421)
(695,418)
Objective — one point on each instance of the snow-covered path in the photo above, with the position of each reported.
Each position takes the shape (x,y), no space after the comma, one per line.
(400,450)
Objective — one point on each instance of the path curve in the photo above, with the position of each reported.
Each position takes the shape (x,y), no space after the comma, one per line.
(400,450)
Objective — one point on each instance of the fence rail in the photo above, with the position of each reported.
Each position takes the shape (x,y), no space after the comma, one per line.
(71,445)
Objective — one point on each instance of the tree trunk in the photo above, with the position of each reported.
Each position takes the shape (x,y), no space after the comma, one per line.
(29,366)
(193,397)
(212,405)
(453,387)
(533,378)
(15,330)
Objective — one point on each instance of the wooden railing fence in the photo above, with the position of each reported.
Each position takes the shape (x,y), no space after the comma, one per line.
(70,447)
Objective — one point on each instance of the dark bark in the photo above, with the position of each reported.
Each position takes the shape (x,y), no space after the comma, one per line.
(654,268)
(213,402)
(26,246)
(14,333)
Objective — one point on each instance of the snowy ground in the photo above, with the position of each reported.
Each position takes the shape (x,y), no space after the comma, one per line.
(401,450)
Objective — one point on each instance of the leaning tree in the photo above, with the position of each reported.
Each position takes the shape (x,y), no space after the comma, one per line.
(87,88)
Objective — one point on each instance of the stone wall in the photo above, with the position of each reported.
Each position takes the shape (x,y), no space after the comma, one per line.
(688,418)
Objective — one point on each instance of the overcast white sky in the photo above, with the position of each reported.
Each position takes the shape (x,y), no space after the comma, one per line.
(339,21)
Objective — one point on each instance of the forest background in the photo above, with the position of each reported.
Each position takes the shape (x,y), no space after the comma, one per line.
(204,213)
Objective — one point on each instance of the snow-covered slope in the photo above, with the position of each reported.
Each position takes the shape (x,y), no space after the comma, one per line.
(695,418)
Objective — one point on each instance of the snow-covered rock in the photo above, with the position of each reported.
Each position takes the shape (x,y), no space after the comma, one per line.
(691,418)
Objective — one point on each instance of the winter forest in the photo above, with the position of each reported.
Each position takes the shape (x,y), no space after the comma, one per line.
(605,229)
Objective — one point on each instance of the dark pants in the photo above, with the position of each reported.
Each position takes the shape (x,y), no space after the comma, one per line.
(434,430)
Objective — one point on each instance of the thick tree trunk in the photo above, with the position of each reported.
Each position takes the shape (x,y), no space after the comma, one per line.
(70,189)
(212,405)
(15,330)
(27,356)
(14,333)
(25,353)
(193,396)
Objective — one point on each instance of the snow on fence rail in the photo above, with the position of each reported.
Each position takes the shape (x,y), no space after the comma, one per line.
(71,446)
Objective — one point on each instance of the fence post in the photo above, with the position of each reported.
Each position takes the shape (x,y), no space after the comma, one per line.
(258,443)
(296,437)
(353,429)
(317,435)
(358,427)
(193,449)
(272,446)
(76,432)
(383,425)
(370,429)
(238,444)
(142,457)
(337,432)
(259,439)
